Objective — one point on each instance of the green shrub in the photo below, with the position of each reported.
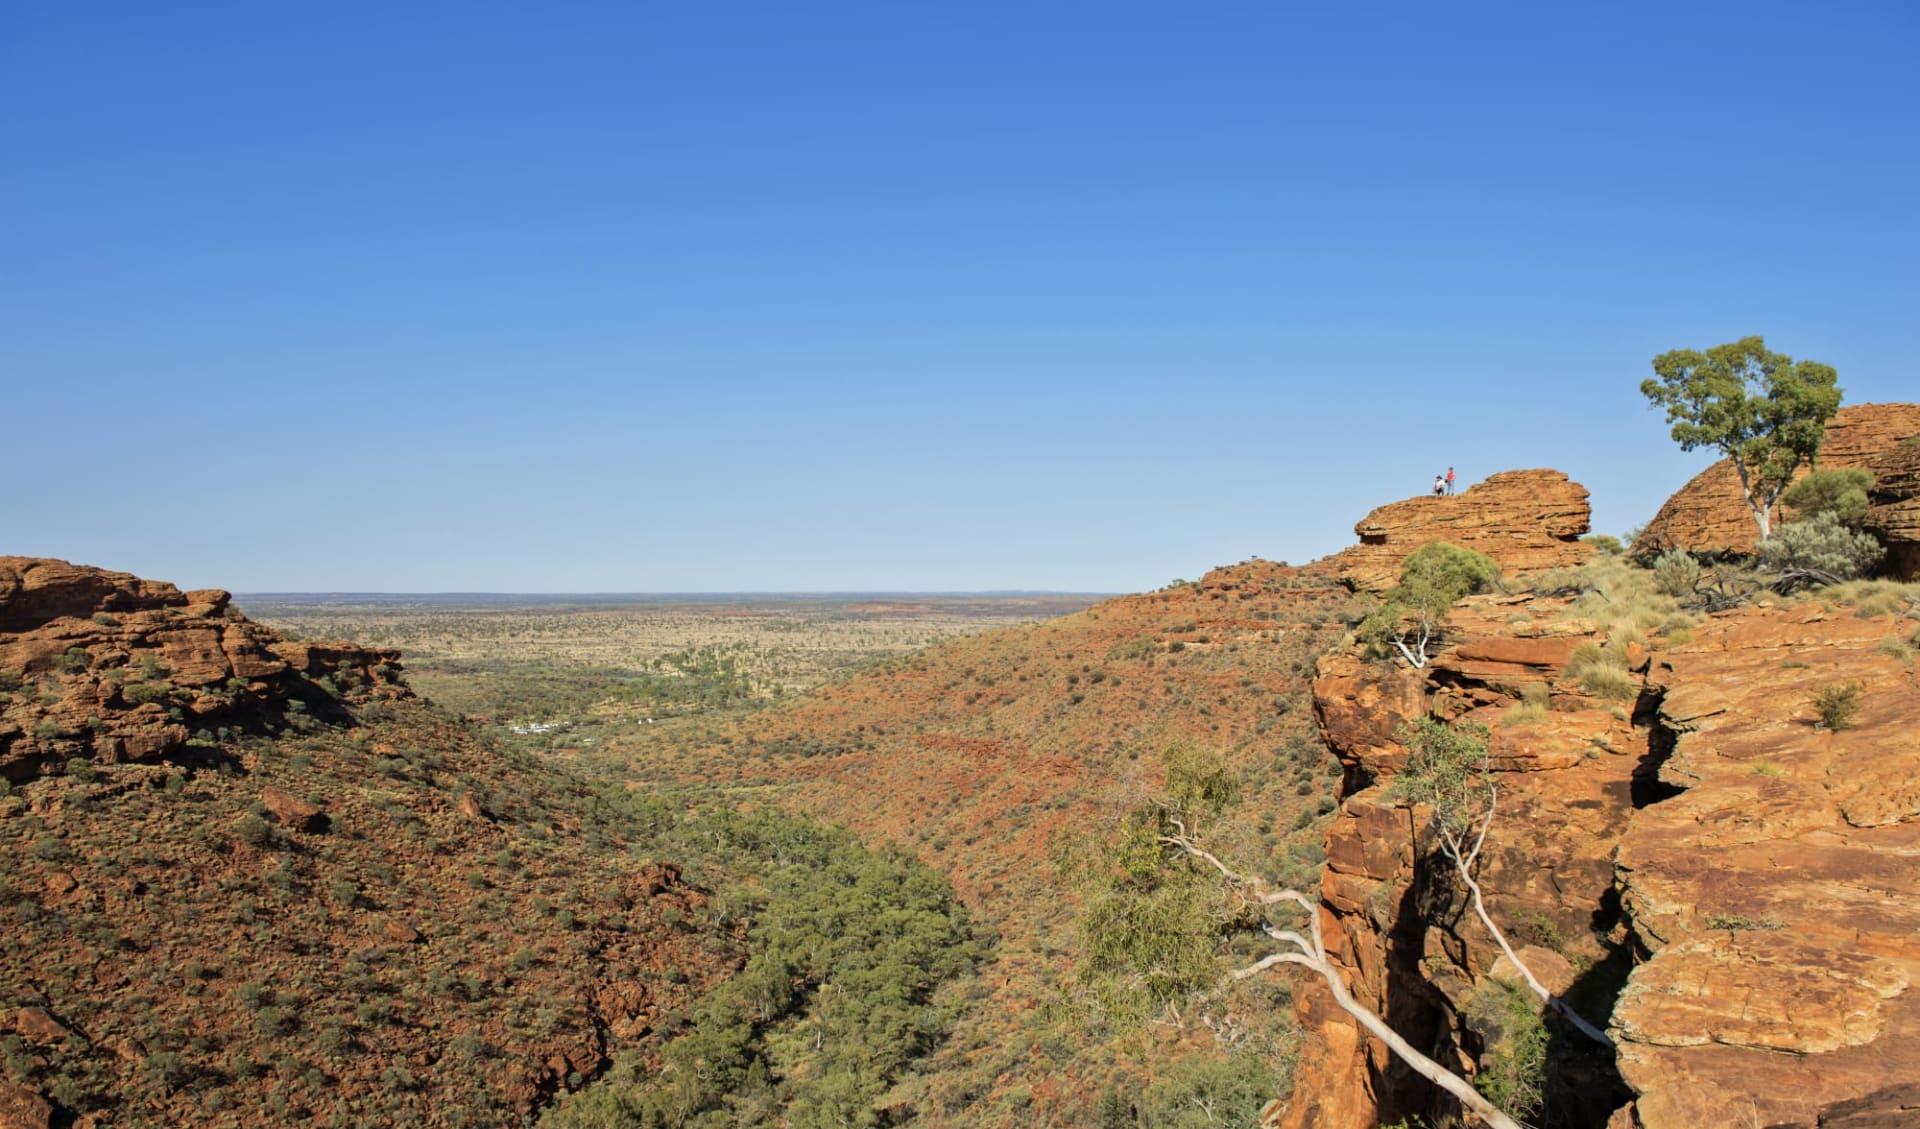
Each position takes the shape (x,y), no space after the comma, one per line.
(1605,543)
(253,831)
(1676,573)
(1201,1091)
(1838,705)
(1821,545)
(274,1021)
(1513,1066)
(1842,493)
(140,693)
(1433,578)
(9,680)
(80,768)
(167,1070)
(74,661)
(1895,648)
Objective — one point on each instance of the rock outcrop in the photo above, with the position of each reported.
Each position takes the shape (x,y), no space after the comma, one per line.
(1777,893)
(1697,864)
(104,666)
(1894,502)
(1392,913)
(1710,515)
(1526,520)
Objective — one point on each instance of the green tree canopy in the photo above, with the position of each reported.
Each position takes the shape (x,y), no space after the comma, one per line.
(1765,411)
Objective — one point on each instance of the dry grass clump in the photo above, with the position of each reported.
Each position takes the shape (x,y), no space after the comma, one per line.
(1897,648)
(1603,669)
(1838,705)
(1625,601)
(1870,598)
(1533,705)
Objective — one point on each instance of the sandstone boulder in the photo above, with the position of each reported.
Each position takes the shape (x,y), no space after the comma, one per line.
(291,811)
(1526,520)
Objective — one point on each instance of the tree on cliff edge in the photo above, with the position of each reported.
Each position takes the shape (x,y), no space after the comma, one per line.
(1433,578)
(1765,411)
(1160,908)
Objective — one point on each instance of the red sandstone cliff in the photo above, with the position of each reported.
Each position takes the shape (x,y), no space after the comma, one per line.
(1746,875)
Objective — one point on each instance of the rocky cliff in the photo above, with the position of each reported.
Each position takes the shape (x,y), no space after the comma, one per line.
(1709,514)
(1681,852)
(1775,898)
(106,667)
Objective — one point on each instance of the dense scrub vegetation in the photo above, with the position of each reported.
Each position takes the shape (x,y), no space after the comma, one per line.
(838,999)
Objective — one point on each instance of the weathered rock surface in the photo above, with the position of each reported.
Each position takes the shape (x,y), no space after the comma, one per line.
(1525,519)
(1895,507)
(1778,894)
(1392,913)
(1748,876)
(1709,514)
(107,667)
(21,1108)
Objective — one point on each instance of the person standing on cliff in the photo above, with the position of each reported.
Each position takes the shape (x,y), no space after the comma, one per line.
(1449,481)
(1439,485)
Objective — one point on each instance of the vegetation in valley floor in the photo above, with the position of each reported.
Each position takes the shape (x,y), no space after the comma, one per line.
(412,926)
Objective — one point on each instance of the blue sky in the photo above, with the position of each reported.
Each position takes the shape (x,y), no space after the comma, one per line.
(732,296)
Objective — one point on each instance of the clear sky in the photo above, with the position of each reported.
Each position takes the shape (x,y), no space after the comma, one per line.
(716,296)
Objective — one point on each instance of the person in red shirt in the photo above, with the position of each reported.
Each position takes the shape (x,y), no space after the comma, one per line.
(1449,480)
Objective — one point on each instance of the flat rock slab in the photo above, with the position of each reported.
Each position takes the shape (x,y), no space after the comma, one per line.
(1780,892)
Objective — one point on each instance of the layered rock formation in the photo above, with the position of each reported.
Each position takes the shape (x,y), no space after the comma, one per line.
(1524,519)
(1777,893)
(1746,876)
(1710,515)
(107,667)
(1393,914)
(1894,502)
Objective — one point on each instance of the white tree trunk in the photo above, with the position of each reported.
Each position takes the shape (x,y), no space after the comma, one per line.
(1462,865)
(1312,953)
